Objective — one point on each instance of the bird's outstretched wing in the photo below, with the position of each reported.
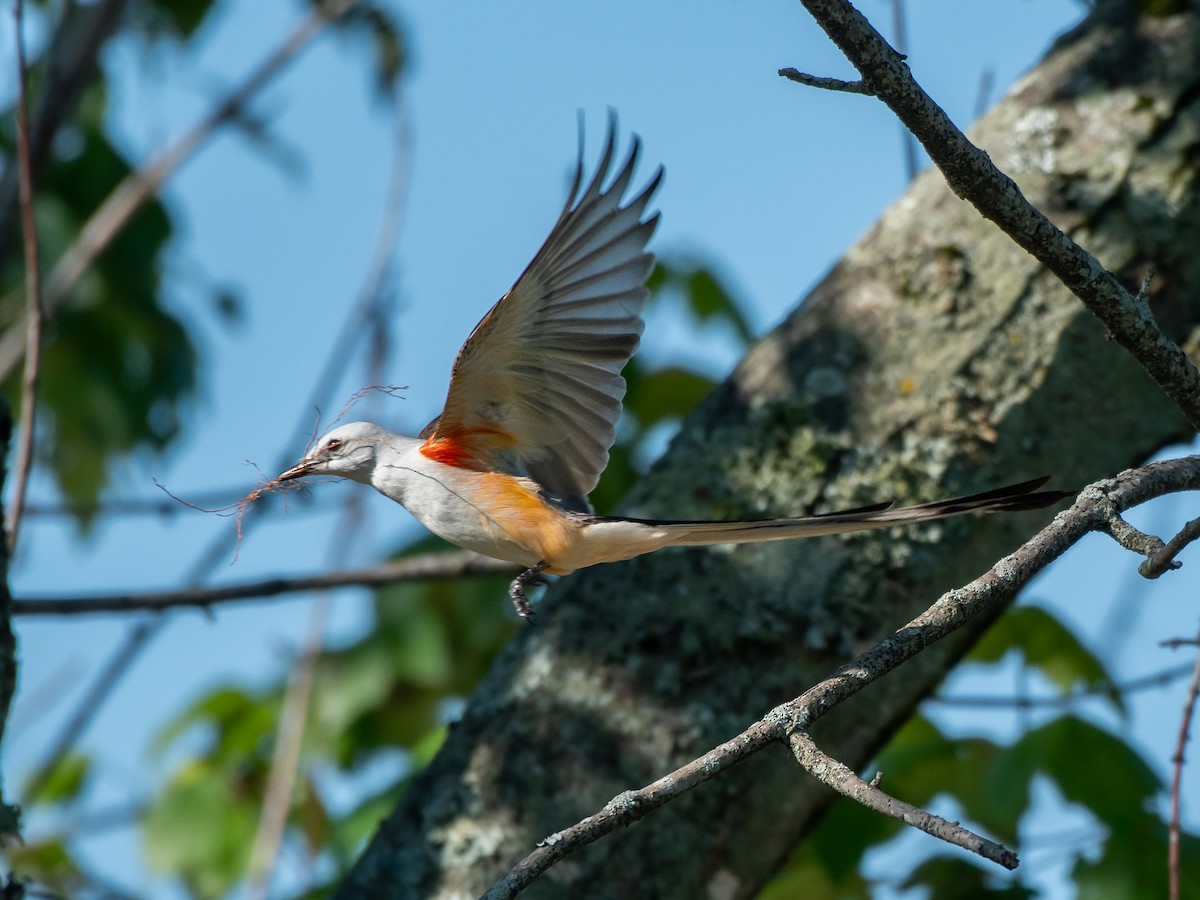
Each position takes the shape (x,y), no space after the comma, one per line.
(536,389)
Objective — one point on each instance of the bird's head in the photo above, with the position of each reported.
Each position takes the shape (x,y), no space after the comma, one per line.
(349,451)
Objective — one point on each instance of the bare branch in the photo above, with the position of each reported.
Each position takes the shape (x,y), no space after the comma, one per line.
(900,36)
(138,506)
(1134,685)
(1092,511)
(827,84)
(33,293)
(132,193)
(1163,559)
(427,566)
(1174,829)
(285,761)
(971,174)
(843,780)
(1132,539)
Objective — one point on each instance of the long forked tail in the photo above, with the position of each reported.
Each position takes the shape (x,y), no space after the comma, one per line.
(1011,498)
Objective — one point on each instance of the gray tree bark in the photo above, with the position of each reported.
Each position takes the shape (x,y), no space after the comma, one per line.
(935,358)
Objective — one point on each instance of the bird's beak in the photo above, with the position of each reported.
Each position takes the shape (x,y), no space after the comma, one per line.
(299,470)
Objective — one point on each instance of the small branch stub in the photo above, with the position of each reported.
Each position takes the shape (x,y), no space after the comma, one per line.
(827,84)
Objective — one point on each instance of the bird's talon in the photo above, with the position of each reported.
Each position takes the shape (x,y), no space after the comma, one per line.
(531,577)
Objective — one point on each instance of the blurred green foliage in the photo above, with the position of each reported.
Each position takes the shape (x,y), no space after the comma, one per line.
(990,786)
(118,365)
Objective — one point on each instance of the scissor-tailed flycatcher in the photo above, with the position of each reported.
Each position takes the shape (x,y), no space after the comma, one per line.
(534,399)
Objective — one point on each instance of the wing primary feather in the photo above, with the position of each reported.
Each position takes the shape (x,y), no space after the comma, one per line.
(543,366)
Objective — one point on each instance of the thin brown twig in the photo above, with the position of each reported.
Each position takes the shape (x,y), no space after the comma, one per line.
(1176,643)
(900,36)
(827,84)
(1091,511)
(1134,685)
(140,186)
(426,566)
(1175,828)
(846,782)
(1163,559)
(207,498)
(285,761)
(33,293)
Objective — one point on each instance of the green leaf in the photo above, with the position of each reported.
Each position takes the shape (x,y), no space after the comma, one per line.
(48,863)
(1090,766)
(665,394)
(1133,863)
(183,16)
(386,37)
(1048,646)
(200,830)
(118,368)
(706,297)
(64,782)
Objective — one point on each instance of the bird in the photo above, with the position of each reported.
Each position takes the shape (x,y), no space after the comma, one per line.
(534,399)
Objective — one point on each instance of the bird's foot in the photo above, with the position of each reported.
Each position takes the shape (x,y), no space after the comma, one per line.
(531,577)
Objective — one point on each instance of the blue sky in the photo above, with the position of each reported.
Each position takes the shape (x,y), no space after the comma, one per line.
(768,181)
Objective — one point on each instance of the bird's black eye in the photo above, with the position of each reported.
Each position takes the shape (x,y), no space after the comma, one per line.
(334,446)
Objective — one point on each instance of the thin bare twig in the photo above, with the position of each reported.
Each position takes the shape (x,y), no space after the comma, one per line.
(970,173)
(1175,828)
(1134,685)
(285,761)
(137,506)
(983,97)
(1163,559)
(1092,511)
(140,186)
(411,568)
(900,35)
(33,293)
(844,780)
(827,84)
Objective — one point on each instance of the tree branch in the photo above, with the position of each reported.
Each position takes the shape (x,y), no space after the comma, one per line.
(1092,511)
(33,293)
(411,568)
(1175,828)
(1064,701)
(827,84)
(1162,559)
(971,174)
(844,780)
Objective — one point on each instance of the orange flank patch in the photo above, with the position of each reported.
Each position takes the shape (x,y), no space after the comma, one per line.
(526,519)
(465,448)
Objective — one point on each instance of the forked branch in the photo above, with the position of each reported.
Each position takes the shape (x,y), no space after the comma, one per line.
(1092,511)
